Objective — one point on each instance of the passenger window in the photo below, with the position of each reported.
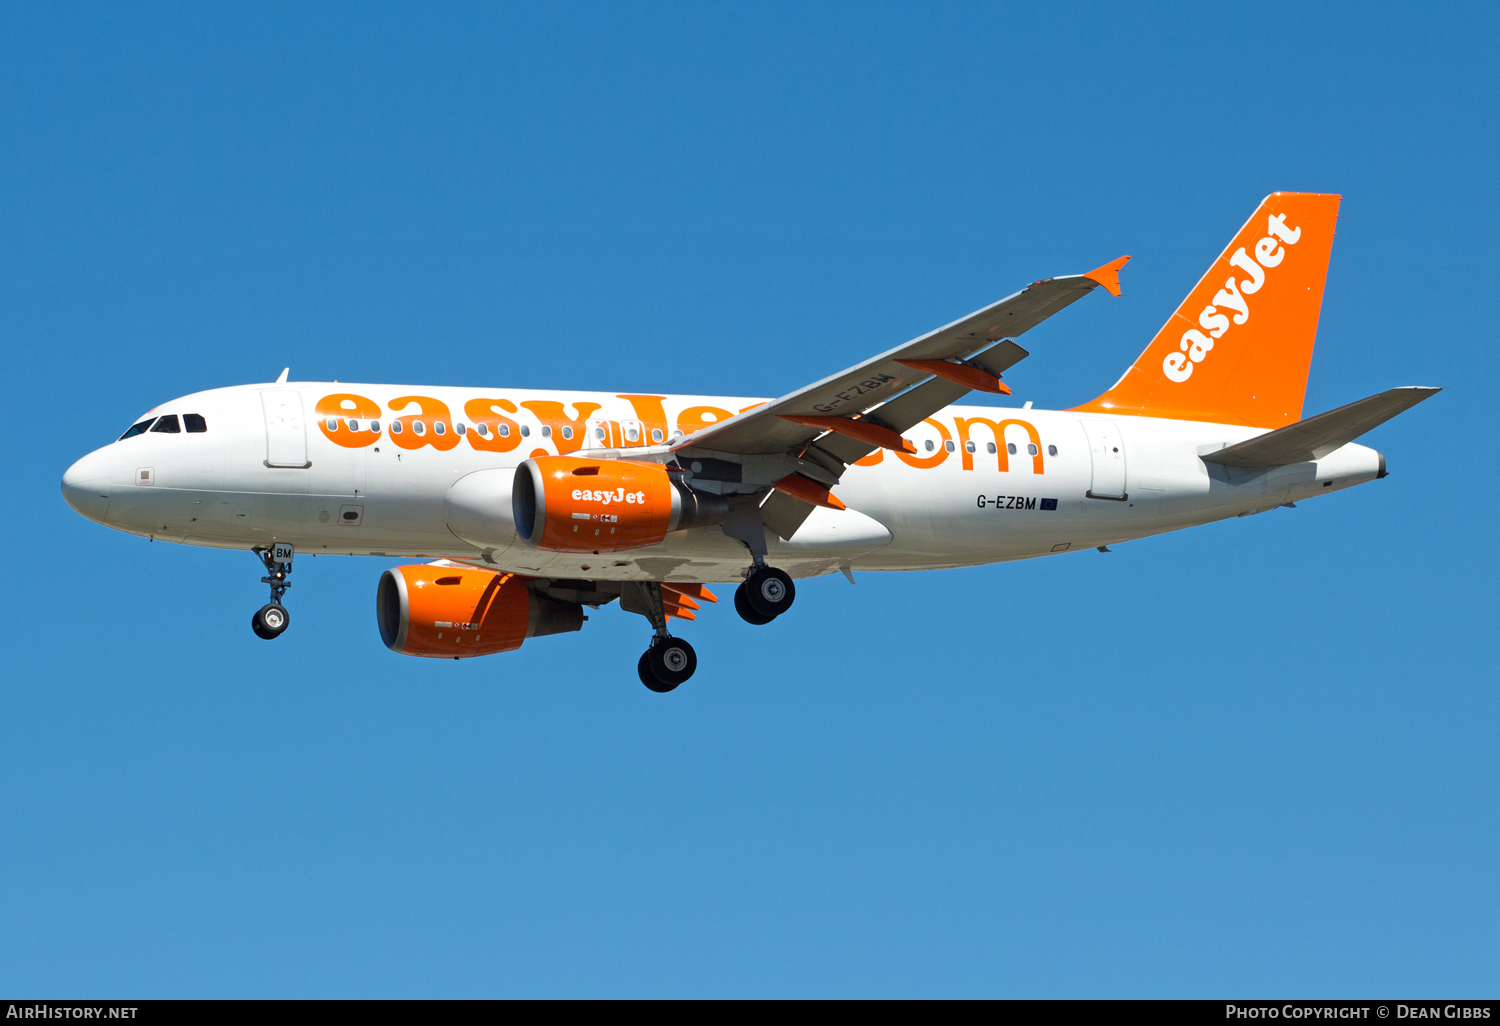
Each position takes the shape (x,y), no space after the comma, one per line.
(949,446)
(990,448)
(440,428)
(632,435)
(1051,450)
(375,427)
(167,424)
(1030,449)
(568,433)
(525,430)
(546,431)
(599,433)
(656,435)
(396,427)
(195,424)
(333,425)
(968,447)
(1010,447)
(421,429)
(353,424)
(928,444)
(138,429)
(460,427)
(504,430)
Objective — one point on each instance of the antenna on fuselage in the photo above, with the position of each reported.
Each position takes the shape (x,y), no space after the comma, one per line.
(282,380)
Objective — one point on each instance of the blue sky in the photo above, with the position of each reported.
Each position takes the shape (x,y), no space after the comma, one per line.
(1255,758)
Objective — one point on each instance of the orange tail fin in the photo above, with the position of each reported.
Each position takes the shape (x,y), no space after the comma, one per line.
(1238,349)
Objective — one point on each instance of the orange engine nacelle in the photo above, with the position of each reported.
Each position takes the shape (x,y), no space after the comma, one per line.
(449,612)
(567,504)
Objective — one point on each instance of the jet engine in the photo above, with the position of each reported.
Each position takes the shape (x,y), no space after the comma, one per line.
(447,612)
(567,504)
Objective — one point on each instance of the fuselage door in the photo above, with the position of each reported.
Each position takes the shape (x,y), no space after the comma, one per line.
(286,431)
(1107,450)
(602,434)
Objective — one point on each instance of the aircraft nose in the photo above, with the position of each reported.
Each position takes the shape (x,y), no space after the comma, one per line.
(85,485)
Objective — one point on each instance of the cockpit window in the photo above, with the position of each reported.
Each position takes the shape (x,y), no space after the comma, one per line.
(167,425)
(194,423)
(138,429)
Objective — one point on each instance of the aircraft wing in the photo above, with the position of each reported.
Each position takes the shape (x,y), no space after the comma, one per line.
(897,389)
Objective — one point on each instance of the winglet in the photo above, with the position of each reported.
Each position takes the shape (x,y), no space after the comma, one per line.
(1109,275)
(282,379)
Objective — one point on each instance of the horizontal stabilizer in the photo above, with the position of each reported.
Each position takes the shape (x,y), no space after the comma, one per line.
(1316,437)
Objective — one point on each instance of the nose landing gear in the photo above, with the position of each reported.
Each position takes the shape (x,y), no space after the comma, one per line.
(272,618)
(765,595)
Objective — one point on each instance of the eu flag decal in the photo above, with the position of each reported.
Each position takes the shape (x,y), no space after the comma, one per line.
(1049,504)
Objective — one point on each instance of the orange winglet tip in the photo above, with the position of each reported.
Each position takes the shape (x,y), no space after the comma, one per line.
(1108,275)
(959,374)
(808,490)
(859,430)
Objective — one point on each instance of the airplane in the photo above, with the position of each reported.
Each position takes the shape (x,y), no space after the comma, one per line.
(530,506)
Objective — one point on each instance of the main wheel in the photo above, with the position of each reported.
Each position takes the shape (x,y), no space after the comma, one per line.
(648,678)
(742,606)
(270,620)
(769,591)
(671,662)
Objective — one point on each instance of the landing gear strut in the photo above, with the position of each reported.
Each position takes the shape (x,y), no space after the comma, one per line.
(272,618)
(765,595)
(669,661)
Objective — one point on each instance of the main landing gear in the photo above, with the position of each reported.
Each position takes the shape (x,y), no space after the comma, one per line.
(669,661)
(272,618)
(765,595)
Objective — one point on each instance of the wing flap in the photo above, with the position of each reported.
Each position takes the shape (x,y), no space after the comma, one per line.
(915,405)
(999,359)
(1317,436)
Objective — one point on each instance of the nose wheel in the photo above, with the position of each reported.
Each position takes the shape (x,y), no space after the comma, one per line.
(765,595)
(272,618)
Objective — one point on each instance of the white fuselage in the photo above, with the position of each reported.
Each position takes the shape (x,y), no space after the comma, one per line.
(944,507)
